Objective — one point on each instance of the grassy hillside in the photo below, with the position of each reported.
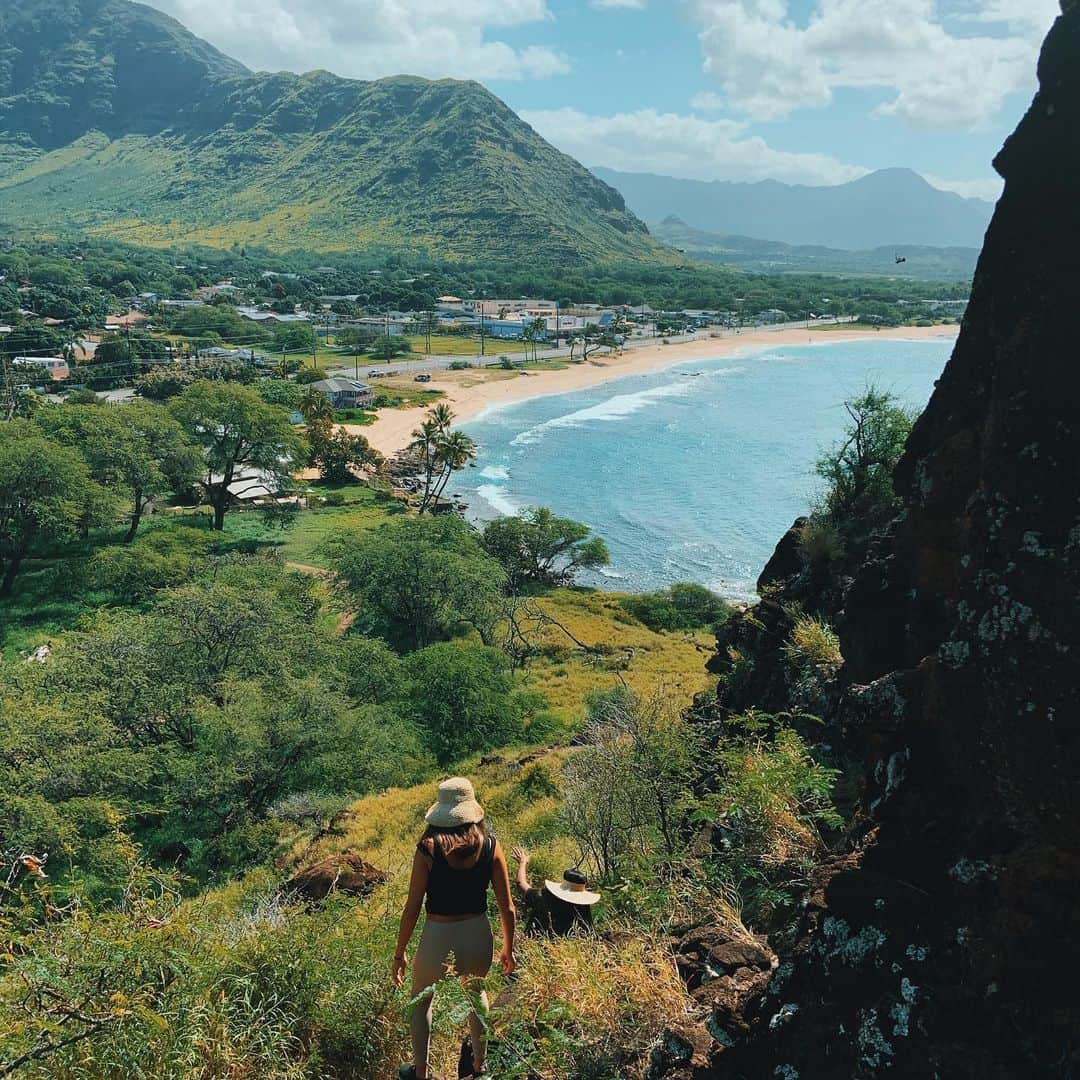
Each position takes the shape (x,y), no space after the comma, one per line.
(168,140)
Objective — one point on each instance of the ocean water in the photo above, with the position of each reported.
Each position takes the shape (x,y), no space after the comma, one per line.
(691,473)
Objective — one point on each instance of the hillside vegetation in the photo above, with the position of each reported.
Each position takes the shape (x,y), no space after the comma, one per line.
(115,119)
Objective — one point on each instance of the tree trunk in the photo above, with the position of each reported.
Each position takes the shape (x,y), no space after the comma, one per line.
(136,517)
(11,571)
(219,516)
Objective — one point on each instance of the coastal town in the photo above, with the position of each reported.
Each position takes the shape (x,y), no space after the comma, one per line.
(275,335)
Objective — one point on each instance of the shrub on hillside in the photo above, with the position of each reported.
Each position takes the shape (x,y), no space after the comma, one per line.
(462,698)
(859,498)
(683,606)
(420,580)
(161,558)
(771,799)
(814,643)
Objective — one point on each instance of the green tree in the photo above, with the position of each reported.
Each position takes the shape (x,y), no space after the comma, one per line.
(237,431)
(462,698)
(860,497)
(45,489)
(336,452)
(539,548)
(389,346)
(419,580)
(139,450)
(682,606)
(163,383)
(295,337)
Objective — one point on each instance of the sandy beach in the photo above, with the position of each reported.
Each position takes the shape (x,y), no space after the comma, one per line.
(471,392)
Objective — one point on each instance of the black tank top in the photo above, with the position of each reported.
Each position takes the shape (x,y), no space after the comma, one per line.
(452,891)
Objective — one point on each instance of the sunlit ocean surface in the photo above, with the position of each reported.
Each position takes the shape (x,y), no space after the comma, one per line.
(692,473)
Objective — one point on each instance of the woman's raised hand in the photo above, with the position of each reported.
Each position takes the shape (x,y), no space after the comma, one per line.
(520,855)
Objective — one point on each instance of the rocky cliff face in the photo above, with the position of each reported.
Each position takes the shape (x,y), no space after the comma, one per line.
(946,942)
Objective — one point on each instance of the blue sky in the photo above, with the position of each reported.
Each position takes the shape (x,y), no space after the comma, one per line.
(804,91)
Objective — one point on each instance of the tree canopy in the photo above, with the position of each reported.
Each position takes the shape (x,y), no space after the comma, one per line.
(237,430)
(536,547)
(419,580)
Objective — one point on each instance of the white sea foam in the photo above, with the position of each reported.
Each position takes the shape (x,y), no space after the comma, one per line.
(495,472)
(497,498)
(616,408)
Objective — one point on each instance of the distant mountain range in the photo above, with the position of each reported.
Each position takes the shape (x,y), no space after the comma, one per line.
(771,256)
(892,208)
(115,119)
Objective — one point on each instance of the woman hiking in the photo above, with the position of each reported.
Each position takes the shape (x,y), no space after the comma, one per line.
(455,861)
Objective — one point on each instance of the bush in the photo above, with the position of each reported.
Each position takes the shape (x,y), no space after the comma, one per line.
(813,642)
(820,545)
(307,375)
(683,606)
(459,365)
(859,497)
(624,788)
(161,558)
(462,698)
(771,800)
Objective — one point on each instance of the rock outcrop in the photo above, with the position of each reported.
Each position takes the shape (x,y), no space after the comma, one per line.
(346,872)
(946,941)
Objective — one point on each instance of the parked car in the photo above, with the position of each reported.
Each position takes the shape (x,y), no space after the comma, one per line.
(423,378)
(375,373)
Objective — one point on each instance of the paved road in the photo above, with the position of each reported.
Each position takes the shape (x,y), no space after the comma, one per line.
(491,355)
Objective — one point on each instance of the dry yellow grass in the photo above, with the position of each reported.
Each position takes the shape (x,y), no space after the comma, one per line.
(650,663)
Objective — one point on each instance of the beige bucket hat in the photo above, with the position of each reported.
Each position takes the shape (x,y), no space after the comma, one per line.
(456,805)
(574,889)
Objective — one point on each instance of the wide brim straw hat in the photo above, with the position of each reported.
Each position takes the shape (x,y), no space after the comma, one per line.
(573,892)
(456,805)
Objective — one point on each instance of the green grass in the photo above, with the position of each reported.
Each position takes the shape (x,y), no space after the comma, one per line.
(365,508)
(356,417)
(407,397)
(463,345)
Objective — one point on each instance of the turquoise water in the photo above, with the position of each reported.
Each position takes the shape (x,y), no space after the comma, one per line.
(689,478)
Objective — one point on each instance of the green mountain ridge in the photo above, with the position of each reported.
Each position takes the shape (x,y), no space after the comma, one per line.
(116,120)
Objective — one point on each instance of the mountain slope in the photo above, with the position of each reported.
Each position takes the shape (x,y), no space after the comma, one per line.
(772,256)
(883,209)
(115,119)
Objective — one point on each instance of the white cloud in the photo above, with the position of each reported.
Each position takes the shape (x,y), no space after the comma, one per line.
(768,65)
(634,5)
(684,146)
(368,39)
(707,101)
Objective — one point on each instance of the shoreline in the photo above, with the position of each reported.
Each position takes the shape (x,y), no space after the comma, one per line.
(392,430)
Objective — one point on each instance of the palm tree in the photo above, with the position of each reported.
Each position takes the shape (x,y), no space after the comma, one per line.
(442,416)
(537,330)
(455,451)
(316,407)
(425,444)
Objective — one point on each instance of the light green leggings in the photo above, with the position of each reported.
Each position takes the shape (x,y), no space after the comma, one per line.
(471,944)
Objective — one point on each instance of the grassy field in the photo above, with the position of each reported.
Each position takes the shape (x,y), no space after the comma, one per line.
(463,345)
(648,662)
(364,508)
